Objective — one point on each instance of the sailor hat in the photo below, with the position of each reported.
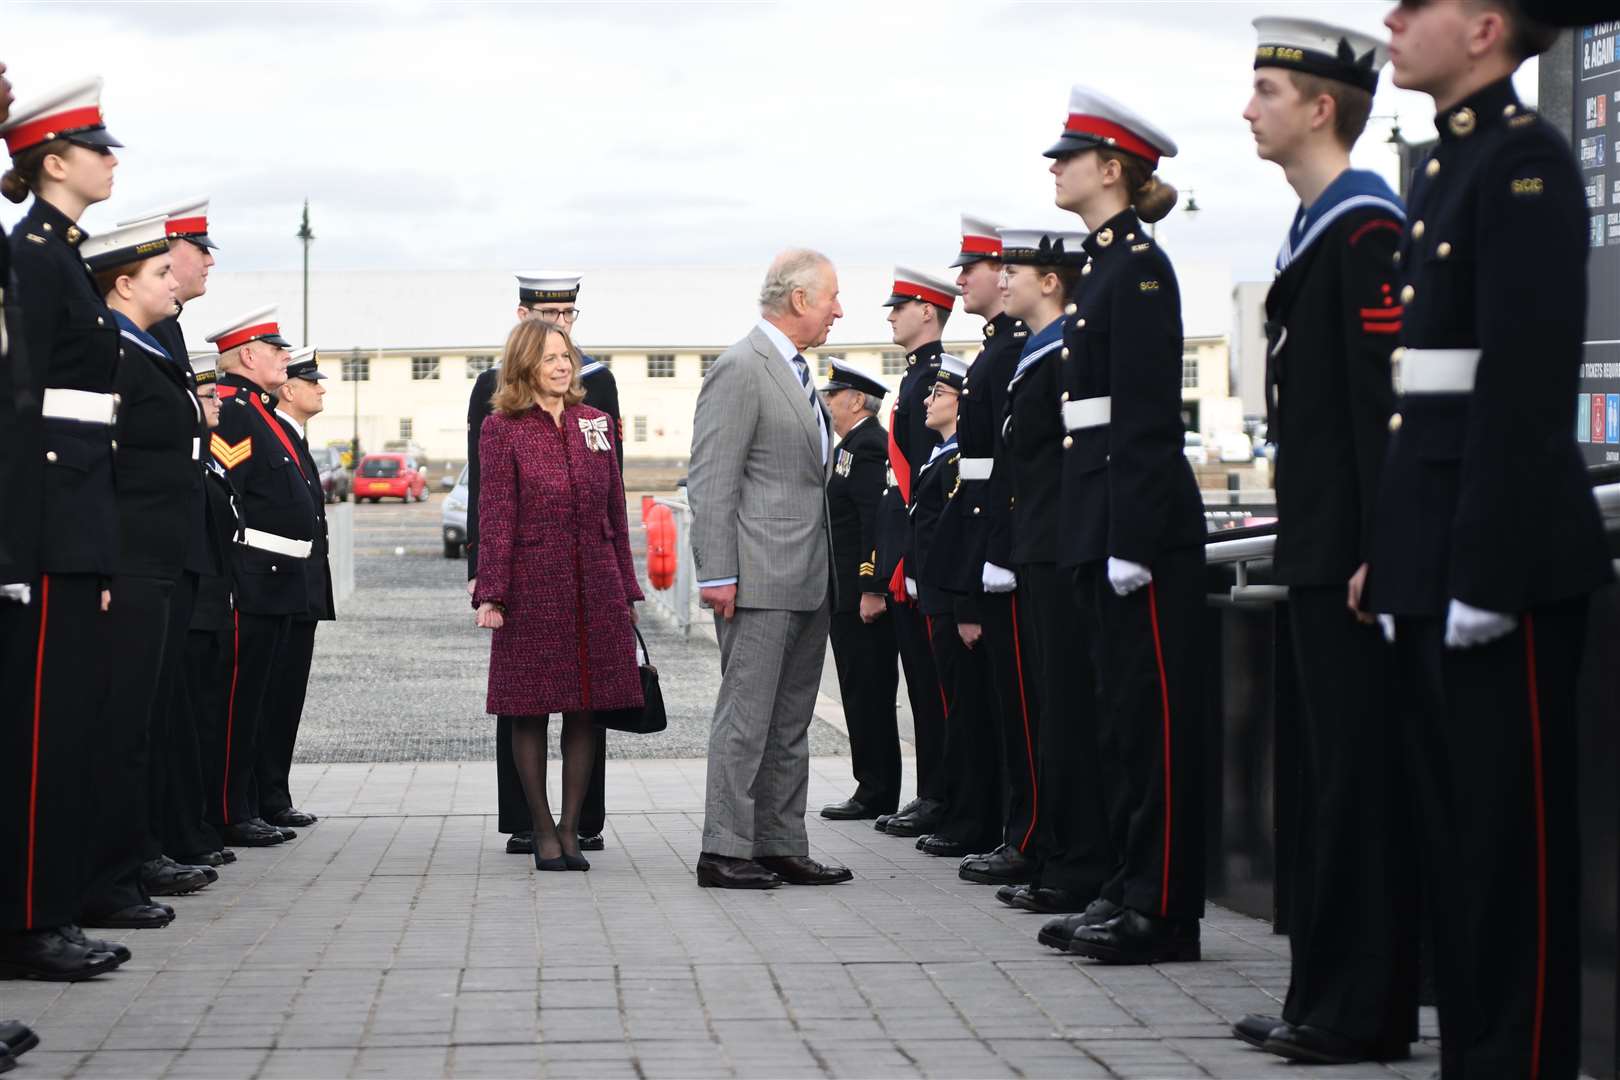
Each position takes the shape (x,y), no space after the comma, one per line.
(125,244)
(547,287)
(1042,247)
(952,372)
(1321,49)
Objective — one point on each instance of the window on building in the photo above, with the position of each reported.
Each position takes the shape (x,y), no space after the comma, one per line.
(357,368)
(424,368)
(894,363)
(477,365)
(638,429)
(824,363)
(661,366)
(706,361)
(605,359)
(406,427)
(1189,371)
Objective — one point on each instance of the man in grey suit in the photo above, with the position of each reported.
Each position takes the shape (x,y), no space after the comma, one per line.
(757,486)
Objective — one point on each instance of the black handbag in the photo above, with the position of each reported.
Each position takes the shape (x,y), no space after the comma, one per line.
(650,717)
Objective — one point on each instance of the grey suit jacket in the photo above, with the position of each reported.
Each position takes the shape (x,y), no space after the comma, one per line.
(757,484)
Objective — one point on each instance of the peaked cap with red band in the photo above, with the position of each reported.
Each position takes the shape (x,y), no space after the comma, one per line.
(259,325)
(912,285)
(187,220)
(1098,120)
(71,112)
(979,241)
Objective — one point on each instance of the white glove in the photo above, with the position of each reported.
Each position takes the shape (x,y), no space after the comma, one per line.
(18,594)
(1386,623)
(911,587)
(998,579)
(1469,626)
(1127,577)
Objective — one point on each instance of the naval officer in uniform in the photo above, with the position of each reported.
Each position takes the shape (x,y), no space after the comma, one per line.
(1487,543)
(551,295)
(863,644)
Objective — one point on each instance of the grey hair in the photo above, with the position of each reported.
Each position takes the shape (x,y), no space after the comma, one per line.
(871,404)
(799,268)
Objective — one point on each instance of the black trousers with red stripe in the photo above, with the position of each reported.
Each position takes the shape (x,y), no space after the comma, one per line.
(512,809)
(1015,709)
(1355,860)
(866,656)
(178,797)
(926,694)
(1150,728)
(1494,739)
(1072,844)
(279,719)
(259,641)
(49,715)
(970,758)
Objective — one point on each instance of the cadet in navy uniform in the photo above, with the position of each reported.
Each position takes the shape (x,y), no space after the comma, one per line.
(1487,543)
(970,774)
(973,551)
(1040,268)
(157,457)
(299,399)
(863,645)
(281,525)
(60,151)
(551,295)
(919,305)
(1331,317)
(1131,529)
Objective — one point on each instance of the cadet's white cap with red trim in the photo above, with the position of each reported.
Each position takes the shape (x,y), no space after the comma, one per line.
(912,285)
(257,325)
(1097,120)
(187,220)
(979,241)
(71,112)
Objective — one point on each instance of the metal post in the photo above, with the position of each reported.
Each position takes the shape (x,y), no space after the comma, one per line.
(354,390)
(307,235)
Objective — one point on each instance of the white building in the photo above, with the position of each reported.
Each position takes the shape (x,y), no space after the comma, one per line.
(401,348)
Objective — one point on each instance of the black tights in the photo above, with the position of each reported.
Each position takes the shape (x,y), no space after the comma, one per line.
(552,838)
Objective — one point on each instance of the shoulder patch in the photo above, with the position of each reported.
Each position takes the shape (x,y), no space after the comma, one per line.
(228,454)
(1151,285)
(1522,120)
(34,238)
(1140,247)
(1529,185)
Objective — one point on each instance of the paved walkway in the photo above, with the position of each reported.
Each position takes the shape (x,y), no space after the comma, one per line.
(396,939)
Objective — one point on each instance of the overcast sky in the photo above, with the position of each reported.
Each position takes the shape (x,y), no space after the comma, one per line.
(492,136)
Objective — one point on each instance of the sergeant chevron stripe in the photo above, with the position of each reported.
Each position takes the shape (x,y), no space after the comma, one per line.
(228,455)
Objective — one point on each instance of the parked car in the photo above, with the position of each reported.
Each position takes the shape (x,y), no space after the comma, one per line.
(1234,446)
(390,476)
(337,482)
(454,520)
(1194,449)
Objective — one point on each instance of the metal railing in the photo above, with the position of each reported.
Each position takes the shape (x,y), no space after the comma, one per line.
(680,598)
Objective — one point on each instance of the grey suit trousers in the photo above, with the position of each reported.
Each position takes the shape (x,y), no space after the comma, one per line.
(759,746)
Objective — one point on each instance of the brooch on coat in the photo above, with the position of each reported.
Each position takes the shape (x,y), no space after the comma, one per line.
(595,430)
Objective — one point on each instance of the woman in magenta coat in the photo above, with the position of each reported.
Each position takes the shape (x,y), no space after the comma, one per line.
(555,578)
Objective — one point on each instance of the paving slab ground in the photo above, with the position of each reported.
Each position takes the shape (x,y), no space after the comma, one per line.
(397,939)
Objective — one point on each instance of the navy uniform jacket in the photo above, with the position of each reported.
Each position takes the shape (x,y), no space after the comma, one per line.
(936,488)
(318,568)
(1128,491)
(173,339)
(601,392)
(273,496)
(158,460)
(21,455)
(1483,496)
(854,490)
(212,611)
(1033,432)
(1331,319)
(977,524)
(72,343)
(910,433)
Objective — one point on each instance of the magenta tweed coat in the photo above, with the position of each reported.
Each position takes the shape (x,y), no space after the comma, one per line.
(554,549)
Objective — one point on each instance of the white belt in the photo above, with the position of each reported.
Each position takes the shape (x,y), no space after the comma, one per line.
(975,468)
(196,448)
(280,545)
(1087,413)
(80,405)
(1438,371)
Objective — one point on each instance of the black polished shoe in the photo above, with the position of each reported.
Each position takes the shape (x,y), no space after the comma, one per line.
(576,862)
(227,855)
(7,1062)
(920,822)
(882,822)
(725,872)
(247,834)
(80,938)
(134,917)
(556,862)
(1134,938)
(592,843)
(803,870)
(941,847)
(1043,900)
(17,1038)
(1302,1042)
(849,810)
(209,859)
(1059,933)
(292,818)
(1256,1028)
(1004,866)
(520,843)
(163,876)
(286,833)
(48,956)
(1008,894)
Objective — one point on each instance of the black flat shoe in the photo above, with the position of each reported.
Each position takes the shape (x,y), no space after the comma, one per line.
(725,872)
(520,843)
(576,862)
(118,950)
(165,877)
(1302,1042)
(49,957)
(134,917)
(1004,866)
(803,870)
(7,1062)
(17,1037)
(1059,933)
(1046,901)
(209,859)
(227,855)
(246,834)
(592,843)
(1256,1028)
(882,822)
(1134,938)
(941,847)
(1008,894)
(848,810)
(558,863)
(292,818)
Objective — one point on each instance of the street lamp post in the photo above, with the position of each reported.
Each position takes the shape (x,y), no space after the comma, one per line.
(354,391)
(307,235)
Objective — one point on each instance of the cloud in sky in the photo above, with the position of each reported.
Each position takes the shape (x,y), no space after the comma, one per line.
(491,135)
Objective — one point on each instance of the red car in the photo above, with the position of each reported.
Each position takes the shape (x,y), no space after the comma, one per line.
(392,476)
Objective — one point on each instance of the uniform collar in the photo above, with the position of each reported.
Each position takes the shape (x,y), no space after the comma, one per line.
(296,426)
(927,353)
(1002,325)
(139,336)
(855,427)
(242,382)
(1119,231)
(56,223)
(1485,108)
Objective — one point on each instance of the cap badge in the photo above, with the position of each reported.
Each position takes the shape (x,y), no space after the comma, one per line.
(1105,237)
(1462,122)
